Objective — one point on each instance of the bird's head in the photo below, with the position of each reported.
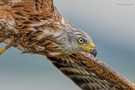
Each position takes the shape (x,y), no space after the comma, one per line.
(84,43)
(74,40)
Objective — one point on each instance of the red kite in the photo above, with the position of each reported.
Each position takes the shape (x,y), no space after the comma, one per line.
(35,26)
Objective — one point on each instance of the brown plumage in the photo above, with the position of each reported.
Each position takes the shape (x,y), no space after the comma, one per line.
(41,29)
(90,73)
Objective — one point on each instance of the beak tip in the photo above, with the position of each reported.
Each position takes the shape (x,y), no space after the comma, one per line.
(94,52)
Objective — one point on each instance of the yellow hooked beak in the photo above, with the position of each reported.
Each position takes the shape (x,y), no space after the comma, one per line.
(90,48)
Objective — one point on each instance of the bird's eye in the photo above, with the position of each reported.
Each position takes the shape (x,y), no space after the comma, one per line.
(81,40)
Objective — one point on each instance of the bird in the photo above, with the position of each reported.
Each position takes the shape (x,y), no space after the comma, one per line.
(41,29)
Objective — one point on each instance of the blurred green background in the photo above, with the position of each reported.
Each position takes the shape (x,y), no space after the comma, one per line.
(110,23)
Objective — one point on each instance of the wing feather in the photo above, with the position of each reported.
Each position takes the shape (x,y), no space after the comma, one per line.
(3,2)
(90,73)
(45,7)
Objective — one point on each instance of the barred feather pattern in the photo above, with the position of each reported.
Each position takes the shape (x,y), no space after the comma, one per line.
(28,27)
(90,73)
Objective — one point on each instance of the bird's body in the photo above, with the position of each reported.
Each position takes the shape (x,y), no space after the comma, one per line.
(35,26)
(25,24)
(32,26)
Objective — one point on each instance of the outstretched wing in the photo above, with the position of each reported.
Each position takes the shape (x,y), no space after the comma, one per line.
(90,73)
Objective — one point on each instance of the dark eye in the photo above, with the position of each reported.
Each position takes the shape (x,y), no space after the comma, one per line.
(81,40)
